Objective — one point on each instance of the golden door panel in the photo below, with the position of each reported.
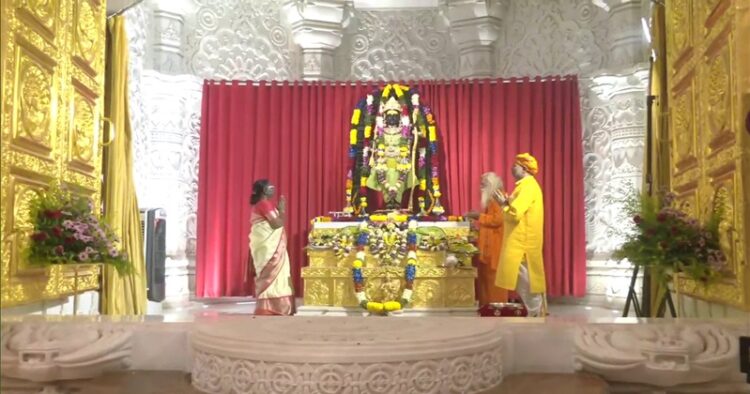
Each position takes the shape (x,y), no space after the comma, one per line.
(36,101)
(24,187)
(42,13)
(684,141)
(52,84)
(716,100)
(680,41)
(82,138)
(87,17)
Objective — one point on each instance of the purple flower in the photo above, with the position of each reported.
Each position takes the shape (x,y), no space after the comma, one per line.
(113,252)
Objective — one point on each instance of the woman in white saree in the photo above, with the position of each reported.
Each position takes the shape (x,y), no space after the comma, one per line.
(273,280)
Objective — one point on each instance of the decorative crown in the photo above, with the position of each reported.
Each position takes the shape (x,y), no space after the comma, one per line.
(392,105)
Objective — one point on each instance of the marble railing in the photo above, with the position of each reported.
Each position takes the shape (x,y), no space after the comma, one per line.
(232,354)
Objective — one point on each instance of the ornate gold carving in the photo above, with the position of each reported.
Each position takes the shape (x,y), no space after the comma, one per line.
(317,292)
(684,144)
(679,26)
(82,137)
(86,33)
(38,70)
(34,101)
(718,167)
(717,97)
(428,293)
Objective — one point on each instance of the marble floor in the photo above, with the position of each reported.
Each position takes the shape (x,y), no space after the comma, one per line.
(241,305)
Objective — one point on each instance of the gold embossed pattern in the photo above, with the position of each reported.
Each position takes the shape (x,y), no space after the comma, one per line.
(708,63)
(52,84)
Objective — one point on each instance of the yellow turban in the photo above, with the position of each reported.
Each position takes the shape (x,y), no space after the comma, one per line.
(528,162)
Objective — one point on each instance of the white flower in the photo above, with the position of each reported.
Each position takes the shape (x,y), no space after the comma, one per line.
(361,296)
(415,99)
(369,99)
(363,225)
(379,121)
(405,120)
(361,256)
(412,255)
(412,225)
(407,294)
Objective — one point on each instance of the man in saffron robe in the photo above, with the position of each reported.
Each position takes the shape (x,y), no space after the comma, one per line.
(490,223)
(521,266)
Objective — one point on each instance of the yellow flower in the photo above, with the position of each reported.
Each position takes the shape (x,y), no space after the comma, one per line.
(353,137)
(357,264)
(423,184)
(437,194)
(391,306)
(376,307)
(368,131)
(412,262)
(355,116)
(398,90)
(386,91)
(433,134)
(363,180)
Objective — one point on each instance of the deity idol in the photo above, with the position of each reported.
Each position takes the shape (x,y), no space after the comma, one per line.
(393,150)
(393,154)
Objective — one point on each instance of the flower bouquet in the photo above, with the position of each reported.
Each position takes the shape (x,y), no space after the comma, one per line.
(669,241)
(66,231)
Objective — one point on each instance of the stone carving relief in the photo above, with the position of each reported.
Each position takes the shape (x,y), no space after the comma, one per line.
(658,355)
(228,39)
(45,352)
(614,120)
(136,26)
(552,37)
(172,105)
(397,45)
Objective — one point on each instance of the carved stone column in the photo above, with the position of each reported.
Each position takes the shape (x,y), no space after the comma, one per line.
(614,109)
(475,25)
(166,47)
(170,179)
(317,28)
(627,40)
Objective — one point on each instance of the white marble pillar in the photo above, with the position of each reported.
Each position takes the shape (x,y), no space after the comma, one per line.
(317,28)
(614,114)
(627,40)
(475,25)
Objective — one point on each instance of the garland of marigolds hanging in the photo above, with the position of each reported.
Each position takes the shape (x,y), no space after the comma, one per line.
(418,121)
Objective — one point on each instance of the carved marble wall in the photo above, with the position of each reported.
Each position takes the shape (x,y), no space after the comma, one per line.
(226,39)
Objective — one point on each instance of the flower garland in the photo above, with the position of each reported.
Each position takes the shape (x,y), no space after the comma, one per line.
(367,126)
(410,272)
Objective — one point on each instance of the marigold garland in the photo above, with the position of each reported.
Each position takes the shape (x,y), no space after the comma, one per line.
(365,130)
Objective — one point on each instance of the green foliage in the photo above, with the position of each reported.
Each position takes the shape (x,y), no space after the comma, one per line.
(66,231)
(667,240)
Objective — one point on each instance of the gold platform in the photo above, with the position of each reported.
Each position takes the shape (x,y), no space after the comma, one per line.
(328,279)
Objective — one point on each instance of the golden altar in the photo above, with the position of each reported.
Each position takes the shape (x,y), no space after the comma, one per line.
(444,282)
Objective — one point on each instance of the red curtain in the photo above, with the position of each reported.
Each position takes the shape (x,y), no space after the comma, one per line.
(296,135)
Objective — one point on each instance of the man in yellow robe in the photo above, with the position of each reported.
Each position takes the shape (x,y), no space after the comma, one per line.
(521,266)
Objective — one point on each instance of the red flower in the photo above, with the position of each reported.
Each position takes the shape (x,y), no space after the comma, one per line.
(69,240)
(57,231)
(39,237)
(59,250)
(637,219)
(662,217)
(57,214)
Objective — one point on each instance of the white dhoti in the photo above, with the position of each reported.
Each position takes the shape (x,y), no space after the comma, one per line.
(533,302)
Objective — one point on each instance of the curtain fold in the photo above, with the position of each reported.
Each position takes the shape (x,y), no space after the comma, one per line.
(296,134)
(121,295)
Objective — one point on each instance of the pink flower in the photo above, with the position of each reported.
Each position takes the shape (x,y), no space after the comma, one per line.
(83,256)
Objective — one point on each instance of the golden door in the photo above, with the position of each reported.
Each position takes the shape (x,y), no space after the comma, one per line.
(708,74)
(52,70)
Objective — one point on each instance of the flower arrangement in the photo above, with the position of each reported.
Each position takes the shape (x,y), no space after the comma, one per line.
(666,239)
(410,272)
(416,121)
(67,231)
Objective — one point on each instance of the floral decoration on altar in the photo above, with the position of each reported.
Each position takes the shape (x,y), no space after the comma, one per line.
(394,149)
(669,241)
(66,231)
(391,240)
